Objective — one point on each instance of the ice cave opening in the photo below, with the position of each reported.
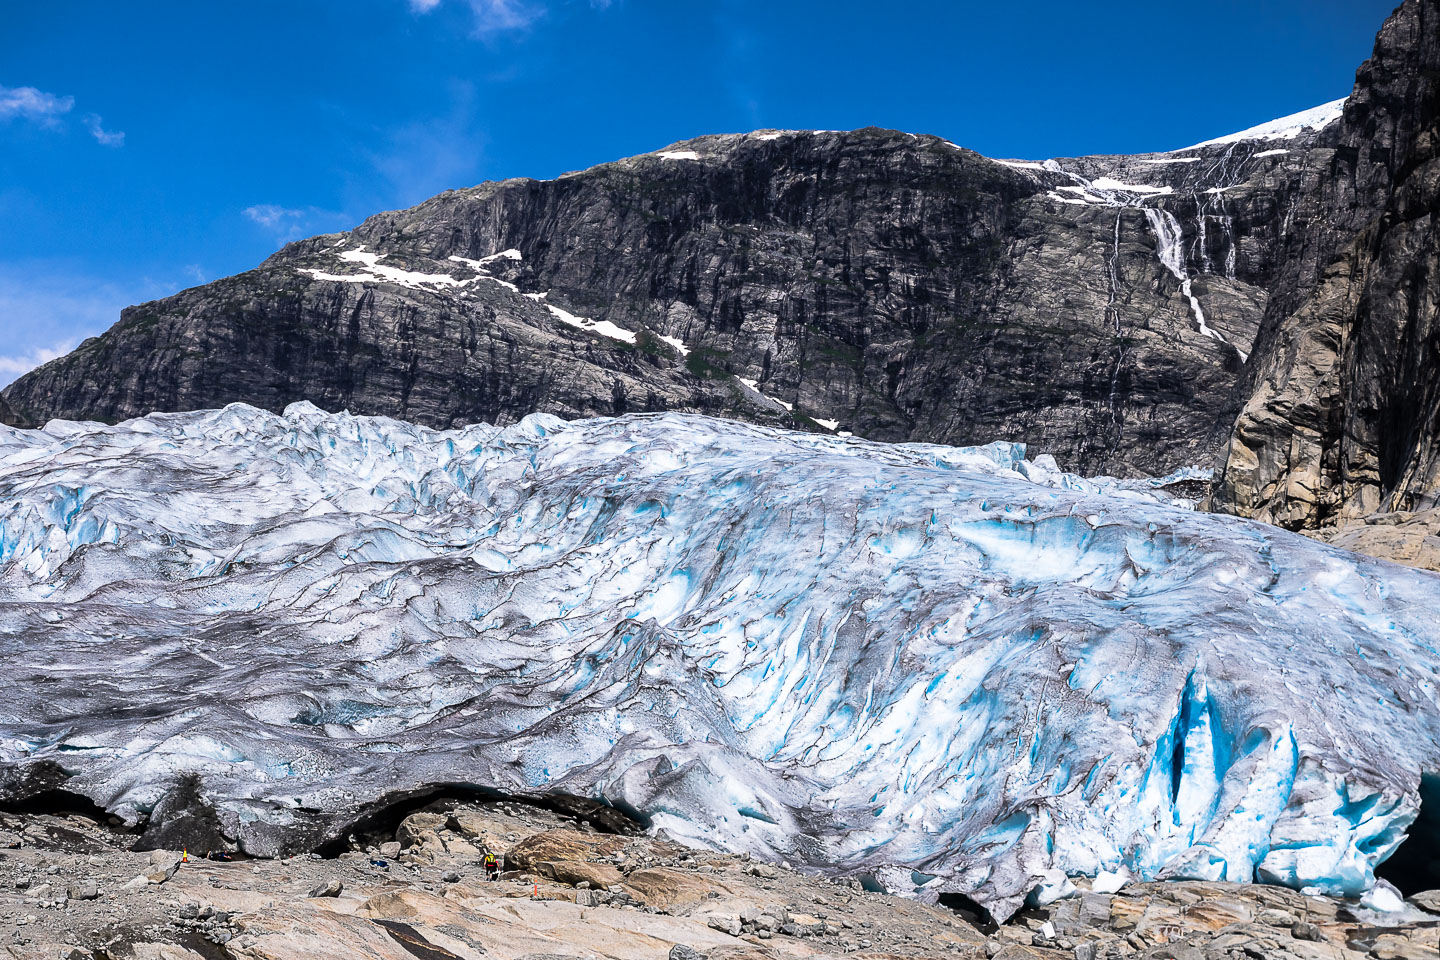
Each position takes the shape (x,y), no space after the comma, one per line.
(378,822)
(1415,864)
(969,910)
(63,803)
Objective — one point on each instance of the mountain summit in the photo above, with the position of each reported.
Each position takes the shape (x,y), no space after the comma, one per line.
(893,286)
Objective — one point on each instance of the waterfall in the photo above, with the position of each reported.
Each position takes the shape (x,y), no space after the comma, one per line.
(1168,237)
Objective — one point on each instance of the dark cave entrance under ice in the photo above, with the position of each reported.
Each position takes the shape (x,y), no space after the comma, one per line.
(1415,864)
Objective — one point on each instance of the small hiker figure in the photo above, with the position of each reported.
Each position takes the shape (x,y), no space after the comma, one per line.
(492,867)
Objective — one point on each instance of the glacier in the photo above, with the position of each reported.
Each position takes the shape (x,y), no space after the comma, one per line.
(955,670)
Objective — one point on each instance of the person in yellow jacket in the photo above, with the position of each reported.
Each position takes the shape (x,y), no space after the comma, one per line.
(492,867)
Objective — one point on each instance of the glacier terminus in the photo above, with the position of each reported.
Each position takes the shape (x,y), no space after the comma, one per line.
(951,669)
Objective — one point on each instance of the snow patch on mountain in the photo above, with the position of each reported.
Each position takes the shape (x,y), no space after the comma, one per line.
(376,272)
(602,328)
(1285,128)
(677,343)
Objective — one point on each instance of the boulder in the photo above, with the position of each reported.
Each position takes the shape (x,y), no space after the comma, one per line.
(486,831)
(326,888)
(1394,946)
(728,923)
(163,864)
(563,845)
(1428,900)
(575,872)
(183,819)
(83,890)
(421,827)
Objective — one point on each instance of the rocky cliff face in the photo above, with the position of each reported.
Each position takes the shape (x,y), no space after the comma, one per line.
(889,285)
(8,416)
(1343,408)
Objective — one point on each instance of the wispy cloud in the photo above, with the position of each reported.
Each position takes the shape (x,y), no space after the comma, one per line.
(27,103)
(499,16)
(292,223)
(270,215)
(14,367)
(48,109)
(106,137)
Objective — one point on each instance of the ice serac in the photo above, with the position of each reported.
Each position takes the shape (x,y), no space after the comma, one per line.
(954,669)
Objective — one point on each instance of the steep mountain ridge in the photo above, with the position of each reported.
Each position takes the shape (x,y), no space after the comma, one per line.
(1342,420)
(884,284)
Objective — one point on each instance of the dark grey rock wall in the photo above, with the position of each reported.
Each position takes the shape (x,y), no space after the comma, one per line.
(890,285)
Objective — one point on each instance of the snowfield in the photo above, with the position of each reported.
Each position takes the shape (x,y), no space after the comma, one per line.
(951,668)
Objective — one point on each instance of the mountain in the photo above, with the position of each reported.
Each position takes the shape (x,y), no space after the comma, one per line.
(952,669)
(1341,425)
(892,286)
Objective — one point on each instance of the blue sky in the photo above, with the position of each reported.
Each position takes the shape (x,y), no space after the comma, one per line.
(148,147)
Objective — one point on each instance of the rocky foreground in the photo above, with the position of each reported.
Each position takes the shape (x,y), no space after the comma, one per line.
(71,888)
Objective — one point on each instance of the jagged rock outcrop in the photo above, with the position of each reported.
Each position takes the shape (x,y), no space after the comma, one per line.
(1342,420)
(893,286)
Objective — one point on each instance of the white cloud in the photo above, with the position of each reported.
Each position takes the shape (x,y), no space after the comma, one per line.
(495,16)
(46,109)
(270,215)
(293,223)
(106,137)
(14,367)
(31,104)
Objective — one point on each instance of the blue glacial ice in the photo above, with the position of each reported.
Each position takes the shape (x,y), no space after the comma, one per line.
(947,667)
